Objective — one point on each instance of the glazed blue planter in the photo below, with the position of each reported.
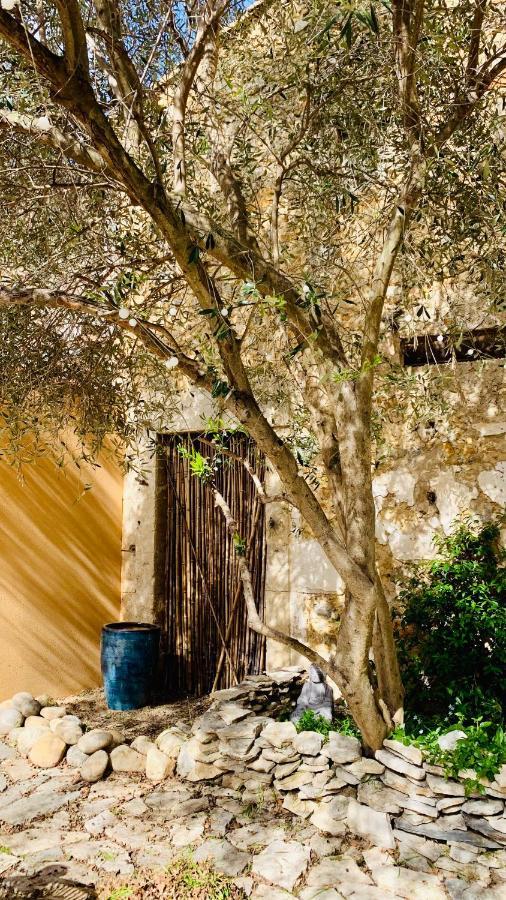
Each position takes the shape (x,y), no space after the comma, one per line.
(129,657)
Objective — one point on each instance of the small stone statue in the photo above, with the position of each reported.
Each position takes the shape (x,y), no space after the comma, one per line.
(316,695)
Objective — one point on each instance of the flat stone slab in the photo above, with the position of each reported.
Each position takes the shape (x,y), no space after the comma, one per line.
(255,835)
(282,863)
(371,824)
(28,808)
(223,856)
(432,831)
(411,885)
(408,752)
(400,765)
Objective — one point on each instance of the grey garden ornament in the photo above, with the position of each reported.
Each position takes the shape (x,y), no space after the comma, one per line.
(317,695)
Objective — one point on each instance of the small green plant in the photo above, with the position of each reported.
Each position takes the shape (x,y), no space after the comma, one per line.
(4,849)
(126,892)
(199,465)
(451,633)
(482,751)
(310,721)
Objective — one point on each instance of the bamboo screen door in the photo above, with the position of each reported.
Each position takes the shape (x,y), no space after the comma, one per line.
(208,642)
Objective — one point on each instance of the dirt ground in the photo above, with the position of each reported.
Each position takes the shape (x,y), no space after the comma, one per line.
(91,708)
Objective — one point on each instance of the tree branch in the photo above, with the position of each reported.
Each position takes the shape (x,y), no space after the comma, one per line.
(55,138)
(74,37)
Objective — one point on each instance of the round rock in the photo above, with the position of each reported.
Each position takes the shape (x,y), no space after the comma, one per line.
(124,759)
(93,769)
(75,757)
(142,744)
(27,737)
(36,720)
(95,740)
(53,712)
(47,751)
(9,719)
(70,732)
(54,724)
(26,704)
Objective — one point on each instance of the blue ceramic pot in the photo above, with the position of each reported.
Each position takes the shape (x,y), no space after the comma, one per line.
(129,657)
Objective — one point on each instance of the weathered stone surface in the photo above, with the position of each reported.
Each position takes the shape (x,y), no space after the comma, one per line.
(435,832)
(308,743)
(97,739)
(282,863)
(53,712)
(407,751)
(483,807)
(445,786)
(70,732)
(365,767)
(400,765)
(170,743)
(406,785)
(204,772)
(262,764)
(158,765)
(256,835)
(278,734)
(36,720)
(495,828)
(500,777)
(380,798)
(371,824)
(6,752)
(27,737)
(449,804)
(224,857)
(411,885)
(299,806)
(233,712)
(142,744)
(342,748)
(47,751)
(75,757)
(10,718)
(427,848)
(124,759)
(293,781)
(175,804)
(26,704)
(329,817)
(94,767)
(28,808)
(284,770)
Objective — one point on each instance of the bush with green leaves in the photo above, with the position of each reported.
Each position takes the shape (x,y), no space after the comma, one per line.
(451,633)
(311,721)
(482,751)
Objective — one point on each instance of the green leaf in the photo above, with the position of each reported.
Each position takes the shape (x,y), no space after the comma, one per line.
(194,254)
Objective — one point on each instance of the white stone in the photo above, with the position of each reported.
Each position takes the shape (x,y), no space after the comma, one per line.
(94,766)
(158,765)
(493,483)
(406,751)
(26,704)
(170,743)
(97,739)
(124,759)
(483,807)
(70,732)
(53,712)
(10,718)
(27,737)
(36,720)
(75,757)
(445,787)
(342,748)
(400,765)
(223,856)
(279,733)
(142,744)
(371,824)
(450,740)
(406,883)
(308,743)
(255,835)
(298,806)
(47,751)
(282,863)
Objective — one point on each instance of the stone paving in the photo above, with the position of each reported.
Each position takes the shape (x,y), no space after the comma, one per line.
(52,822)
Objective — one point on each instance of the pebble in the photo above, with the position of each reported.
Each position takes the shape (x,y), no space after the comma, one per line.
(75,757)
(10,718)
(124,759)
(26,704)
(47,751)
(94,740)
(142,744)
(37,720)
(158,765)
(53,712)
(70,732)
(93,769)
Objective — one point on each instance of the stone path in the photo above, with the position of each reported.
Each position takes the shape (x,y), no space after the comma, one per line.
(51,822)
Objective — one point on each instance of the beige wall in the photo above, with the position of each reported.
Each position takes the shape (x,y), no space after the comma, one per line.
(60,565)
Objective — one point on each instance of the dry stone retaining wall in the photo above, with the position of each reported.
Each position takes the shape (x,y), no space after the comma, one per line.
(393,800)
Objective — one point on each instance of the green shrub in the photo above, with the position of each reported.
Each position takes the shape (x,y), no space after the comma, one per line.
(310,721)
(451,634)
(483,750)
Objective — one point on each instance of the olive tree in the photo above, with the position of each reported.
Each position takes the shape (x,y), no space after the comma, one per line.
(195,192)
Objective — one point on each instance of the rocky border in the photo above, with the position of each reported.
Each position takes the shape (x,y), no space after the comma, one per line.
(239,744)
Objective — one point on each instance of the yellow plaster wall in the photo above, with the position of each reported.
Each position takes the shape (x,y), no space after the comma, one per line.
(60,568)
